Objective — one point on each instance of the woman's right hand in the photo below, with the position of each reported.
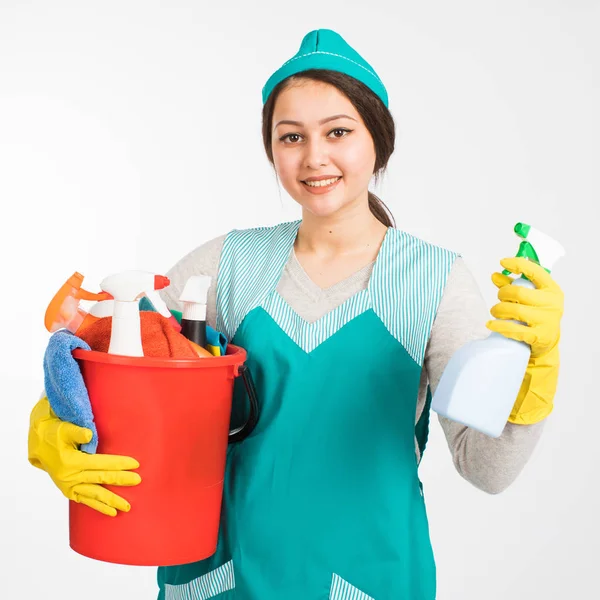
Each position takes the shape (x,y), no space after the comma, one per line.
(54,447)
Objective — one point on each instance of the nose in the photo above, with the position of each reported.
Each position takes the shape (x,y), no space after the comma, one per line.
(316,154)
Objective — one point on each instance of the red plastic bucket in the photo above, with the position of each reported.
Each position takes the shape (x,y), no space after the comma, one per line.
(172,416)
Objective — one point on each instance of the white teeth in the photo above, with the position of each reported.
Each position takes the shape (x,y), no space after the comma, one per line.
(322,183)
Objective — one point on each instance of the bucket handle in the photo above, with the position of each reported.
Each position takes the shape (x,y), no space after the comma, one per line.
(241,433)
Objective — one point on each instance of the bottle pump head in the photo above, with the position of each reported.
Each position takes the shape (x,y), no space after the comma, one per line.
(537,247)
(194,297)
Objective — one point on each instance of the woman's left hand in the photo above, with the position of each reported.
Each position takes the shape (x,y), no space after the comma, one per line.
(541,308)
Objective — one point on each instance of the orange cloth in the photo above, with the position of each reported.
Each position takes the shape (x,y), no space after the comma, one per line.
(159,338)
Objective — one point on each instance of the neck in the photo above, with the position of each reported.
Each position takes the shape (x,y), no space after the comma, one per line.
(354,231)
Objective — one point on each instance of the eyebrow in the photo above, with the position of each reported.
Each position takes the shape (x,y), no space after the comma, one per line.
(321,122)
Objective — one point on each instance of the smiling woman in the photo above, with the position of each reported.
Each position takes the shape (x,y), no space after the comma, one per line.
(348,324)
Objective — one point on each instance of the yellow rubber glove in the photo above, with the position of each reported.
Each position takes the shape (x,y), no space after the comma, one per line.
(541,309)
(54,447)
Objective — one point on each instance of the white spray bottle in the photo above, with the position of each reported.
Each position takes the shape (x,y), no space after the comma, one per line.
(126,288)
(482,380)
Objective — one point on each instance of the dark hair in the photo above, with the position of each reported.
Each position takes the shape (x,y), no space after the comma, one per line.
(376,117)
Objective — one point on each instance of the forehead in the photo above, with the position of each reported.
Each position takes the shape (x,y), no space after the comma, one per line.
(309,101)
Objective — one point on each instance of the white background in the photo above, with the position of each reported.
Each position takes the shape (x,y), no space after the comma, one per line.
(130,134)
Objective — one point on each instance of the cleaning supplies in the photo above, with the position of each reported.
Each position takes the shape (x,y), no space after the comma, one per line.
(64,310)
(543,313)
(126,288)
(482,379)
(64,385)
(216,341)
(194,298)
(202,352)
(159,339)
(149,393)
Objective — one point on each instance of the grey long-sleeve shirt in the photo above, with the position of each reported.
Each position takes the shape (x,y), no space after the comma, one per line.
(490,464)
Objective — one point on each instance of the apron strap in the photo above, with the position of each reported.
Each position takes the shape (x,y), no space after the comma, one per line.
(250,267)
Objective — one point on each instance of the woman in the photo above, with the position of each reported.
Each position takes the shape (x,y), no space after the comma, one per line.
(348,323)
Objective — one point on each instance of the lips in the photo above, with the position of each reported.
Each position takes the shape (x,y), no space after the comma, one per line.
(322,181)
(321,189)
(320,178)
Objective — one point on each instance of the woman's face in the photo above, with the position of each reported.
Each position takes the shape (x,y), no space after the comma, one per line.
(321,142)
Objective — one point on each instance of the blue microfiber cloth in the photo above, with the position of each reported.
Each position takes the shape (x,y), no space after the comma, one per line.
(213,337)
(64,384)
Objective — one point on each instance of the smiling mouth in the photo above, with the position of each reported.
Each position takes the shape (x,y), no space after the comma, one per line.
(322,183)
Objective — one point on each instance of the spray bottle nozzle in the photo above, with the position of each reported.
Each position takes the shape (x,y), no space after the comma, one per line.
(161,282)
(522,230)
(537,247)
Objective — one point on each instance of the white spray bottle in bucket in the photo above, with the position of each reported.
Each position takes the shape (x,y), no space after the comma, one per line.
(126,288)
(482,380)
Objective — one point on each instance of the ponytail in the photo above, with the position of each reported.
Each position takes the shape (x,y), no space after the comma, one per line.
(380,211)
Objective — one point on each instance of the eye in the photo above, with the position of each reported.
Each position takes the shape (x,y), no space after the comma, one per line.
(289,135)
(343,130)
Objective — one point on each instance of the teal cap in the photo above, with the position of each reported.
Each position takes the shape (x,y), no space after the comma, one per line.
(326,49)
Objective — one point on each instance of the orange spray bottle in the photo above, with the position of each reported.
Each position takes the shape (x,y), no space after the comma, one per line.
(64,310)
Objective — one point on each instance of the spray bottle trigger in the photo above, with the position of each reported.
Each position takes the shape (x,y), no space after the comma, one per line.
(82,294)
(526,250)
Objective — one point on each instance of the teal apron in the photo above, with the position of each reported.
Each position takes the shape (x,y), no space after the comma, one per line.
(323,500)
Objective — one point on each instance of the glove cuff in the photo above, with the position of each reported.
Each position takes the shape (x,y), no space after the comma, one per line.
(535,400)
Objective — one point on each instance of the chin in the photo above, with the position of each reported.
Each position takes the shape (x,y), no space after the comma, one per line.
(321,211)
(322,207)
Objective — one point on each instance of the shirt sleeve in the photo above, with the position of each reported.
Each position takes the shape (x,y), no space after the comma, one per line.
(490,464)
(204,260)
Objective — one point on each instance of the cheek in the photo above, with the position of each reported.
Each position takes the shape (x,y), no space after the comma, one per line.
(359,159)
(285,165)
